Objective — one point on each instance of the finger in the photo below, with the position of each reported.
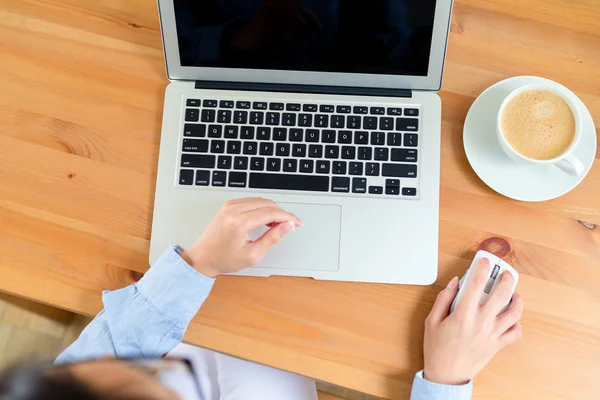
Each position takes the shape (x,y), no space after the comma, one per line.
(267,215)
(510,336)
(501,294)
(250,203)
(261,246)
(475,284)
(442,304)
(514,313)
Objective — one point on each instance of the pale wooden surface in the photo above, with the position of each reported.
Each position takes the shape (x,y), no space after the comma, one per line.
(80,108)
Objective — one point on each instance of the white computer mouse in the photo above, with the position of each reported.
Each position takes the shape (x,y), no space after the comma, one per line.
(498,266)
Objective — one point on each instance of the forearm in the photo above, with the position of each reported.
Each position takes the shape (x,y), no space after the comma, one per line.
(425,390)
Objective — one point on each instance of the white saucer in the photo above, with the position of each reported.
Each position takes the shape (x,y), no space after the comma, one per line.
(505,176)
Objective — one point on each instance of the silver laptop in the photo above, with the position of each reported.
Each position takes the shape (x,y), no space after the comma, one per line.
(329,108)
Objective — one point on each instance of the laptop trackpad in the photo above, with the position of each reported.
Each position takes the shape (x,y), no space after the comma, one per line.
(314,246)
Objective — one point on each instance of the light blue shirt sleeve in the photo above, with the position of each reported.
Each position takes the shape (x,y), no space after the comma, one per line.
(425,390)
(147,318)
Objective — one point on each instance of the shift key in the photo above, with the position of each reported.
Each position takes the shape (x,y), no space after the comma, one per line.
(400,170)
(198,161)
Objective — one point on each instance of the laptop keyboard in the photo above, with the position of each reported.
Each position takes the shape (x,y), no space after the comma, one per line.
(357,150)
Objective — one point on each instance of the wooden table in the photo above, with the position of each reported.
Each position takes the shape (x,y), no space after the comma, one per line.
(81,96)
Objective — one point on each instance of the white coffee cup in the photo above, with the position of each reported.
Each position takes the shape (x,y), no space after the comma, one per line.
(566,161)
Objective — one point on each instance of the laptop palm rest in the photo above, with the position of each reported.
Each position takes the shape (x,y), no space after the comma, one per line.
(314,246)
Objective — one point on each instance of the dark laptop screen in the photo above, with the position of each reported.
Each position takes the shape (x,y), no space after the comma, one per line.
(358,36)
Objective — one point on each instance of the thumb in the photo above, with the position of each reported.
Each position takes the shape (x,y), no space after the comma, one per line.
(441,308)
(266,242)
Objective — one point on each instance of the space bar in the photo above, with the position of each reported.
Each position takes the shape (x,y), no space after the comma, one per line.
(289,182)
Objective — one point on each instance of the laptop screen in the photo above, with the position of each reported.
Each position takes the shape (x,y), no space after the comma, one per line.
(350,36)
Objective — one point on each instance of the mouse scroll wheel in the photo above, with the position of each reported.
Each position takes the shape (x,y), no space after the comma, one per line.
(490,282)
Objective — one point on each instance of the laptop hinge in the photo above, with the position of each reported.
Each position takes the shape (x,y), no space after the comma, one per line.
(318,89)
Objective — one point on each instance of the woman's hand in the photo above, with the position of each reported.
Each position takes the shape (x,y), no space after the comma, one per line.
(225,245)
(459,346)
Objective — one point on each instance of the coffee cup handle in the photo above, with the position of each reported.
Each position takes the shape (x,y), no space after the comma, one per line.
(571,165)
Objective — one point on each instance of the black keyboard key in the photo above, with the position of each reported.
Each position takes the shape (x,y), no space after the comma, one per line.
(219,178)
(359,185)
(354,122)
(192,114)
(266,148)
(340,184)
(411,140)
(377,110)
(326,108)
(409,191)
(370,123)
(305,120)
(198,161)
(299,150)
(343,109)
(280,134)
(306,166)
(257,117)
(250,148)
(392,182)
(377,138)
(247,132)
(321,121)
(392,186)
(208,116)
(344,137)
(242,104)
(217,146)
(309,108)
(289,182)
(296,135)
(394,139)
(282,149)
(407,124)
(339,168)
(327,136)
(394,111)
(322,167)
(315,151)
(224,162)
(240,163)
(192,102)
(288,119)
(237,179)
(375,189)
(215,131)
(361,137)
(381,153)
(332,151)
(372,169)
(338,121)
(195,145)
(400,170)
(231,132)
(273,118)
(292,107)
(259,105)
(361,110)
(240,117)
(348,152)
(194,130)
(257,164)
(273,164)
(202,177)
(234,147)
(186,177)
(365,153)
(209,103)
(411,112)
(312,135)
(276,106)
(263,133)
(404,155)
(290,165)
(226,104)
(386,123)
(355,168)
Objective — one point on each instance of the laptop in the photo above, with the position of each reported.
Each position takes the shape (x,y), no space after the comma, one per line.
(329,108)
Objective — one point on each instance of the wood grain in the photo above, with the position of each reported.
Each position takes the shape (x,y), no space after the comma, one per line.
(81,97)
